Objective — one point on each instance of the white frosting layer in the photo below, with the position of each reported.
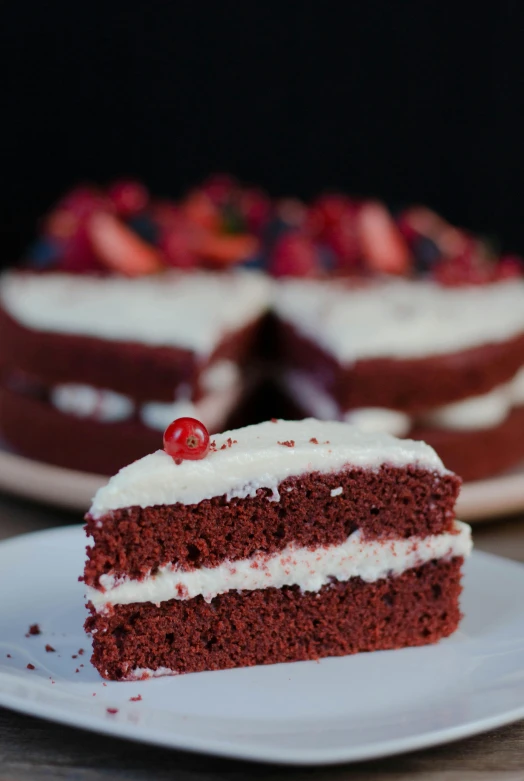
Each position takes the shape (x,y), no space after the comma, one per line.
(85,401)
(401,318)
(310,569)
(191,311)
(475,413)
(256,460)
(212,409)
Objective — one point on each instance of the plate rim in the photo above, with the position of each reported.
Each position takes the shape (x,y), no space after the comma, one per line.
(245,750)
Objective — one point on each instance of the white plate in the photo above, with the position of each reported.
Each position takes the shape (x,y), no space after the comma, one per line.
(73,490)
(352,708)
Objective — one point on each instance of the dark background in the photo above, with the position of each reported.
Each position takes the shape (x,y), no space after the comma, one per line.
(411,101)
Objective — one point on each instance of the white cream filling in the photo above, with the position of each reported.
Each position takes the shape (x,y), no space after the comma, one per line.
(223,390)
(191,311)
(400,318)
(212,409)
(259,456)
(86,401)
(475,413)
(308,569)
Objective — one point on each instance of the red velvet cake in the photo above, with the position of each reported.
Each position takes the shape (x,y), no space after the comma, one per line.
(136,310)
(287,541)
(110,361)
(412,358)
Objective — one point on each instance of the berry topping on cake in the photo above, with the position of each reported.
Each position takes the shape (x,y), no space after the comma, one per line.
(223,224)
(186,439)
(128,197)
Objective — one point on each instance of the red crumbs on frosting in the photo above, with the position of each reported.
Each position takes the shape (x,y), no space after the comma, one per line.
(287,443)
(34,629)
(314,440)
(138,698)
(112,710)
(50,649)
(229,443)
(31,667)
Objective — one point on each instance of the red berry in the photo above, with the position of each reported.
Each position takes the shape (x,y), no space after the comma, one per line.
(73,212)
(219,188)
(83,201)
(186,438)
(294,256)
(178,242)
(509,267)
(128,197)
(327,212)
(77,253)
(255,207)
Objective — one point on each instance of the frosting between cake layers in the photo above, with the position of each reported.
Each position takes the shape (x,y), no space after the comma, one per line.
(309,569)
(222,384)
(187,311)
(258,456)
(401,318)
(472,414)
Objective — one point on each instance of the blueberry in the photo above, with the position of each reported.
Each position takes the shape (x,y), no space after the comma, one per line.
(43,253)
(144,227)
(257,262)
(327,258)
(274,230)
(426,253)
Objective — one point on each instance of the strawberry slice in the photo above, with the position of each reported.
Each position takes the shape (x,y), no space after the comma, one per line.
(226,248)
(383,247)
(120,248)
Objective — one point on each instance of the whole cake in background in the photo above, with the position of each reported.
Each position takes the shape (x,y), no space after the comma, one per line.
(131,310)
(278,542)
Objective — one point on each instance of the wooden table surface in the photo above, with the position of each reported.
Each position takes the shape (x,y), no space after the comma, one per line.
(34,749)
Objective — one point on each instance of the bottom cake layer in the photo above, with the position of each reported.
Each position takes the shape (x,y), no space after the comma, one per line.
(268,626)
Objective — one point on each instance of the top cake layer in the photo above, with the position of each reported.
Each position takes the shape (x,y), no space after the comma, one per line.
(259,456)
(400,319)
(189,311)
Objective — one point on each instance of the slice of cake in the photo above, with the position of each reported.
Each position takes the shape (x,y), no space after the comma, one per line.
(277,542)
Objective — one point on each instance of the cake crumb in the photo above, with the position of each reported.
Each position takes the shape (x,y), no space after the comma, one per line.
(9,656)
(50,649)
(94,694)
(81,652)
(274,420)
(77,670)
(112,710)
(34,629)
(337,491)
(31,666)
(229,443)
(314,440)
(213,446)
(287,443)
(138,698)
(74,656)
